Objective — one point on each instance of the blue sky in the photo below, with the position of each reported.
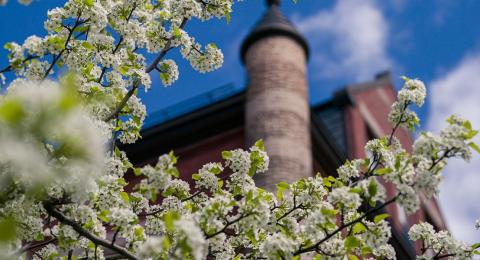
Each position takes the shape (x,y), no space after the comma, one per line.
(437,41)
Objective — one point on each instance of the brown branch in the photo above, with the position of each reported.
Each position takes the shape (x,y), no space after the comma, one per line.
(339,229)
(397,125)
(122,103)
(443,256)
(115,236)
(149,69)
(160,210)
(228,224)
(9,67)
(162,54)
(58,56)
(54,212)
(120,41)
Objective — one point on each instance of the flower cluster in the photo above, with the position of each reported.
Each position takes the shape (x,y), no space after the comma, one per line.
(102,43)
(439,243)
(413,91)
(48,140)
(62,184)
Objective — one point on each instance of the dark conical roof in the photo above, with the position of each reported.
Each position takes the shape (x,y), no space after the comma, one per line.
(273,23)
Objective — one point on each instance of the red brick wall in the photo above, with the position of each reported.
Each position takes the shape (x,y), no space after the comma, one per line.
(194,156)
(368,119)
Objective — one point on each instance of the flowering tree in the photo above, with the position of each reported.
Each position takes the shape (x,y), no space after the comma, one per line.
(62,187)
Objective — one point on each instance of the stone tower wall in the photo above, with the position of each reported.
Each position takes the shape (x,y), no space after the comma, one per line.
(277,108)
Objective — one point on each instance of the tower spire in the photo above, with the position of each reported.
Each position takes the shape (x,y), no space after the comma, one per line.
(273,2)
(273,23)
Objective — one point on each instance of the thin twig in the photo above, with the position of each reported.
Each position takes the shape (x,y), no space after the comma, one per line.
(339,229)
(149,69)
(59,55)
(228,224)
(54,212)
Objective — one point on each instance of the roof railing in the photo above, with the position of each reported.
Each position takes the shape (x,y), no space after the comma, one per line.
(190,104)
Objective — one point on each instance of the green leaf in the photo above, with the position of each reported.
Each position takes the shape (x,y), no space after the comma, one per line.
(260,145)
(326,182)
(103,215)
(169,218)
(329,212)
(251,236)
(356,190)
(121,181)
(249,196)
(165,77)
(166,243)
(81,29)
(176,32)
(174,172)
(125,196)
(283,185)
(57,42)
(382,171)
(475,246)
(372,188)
(228,17)
(474,147)
(196,176)
(279,195)
(11,111)
(124,70)
(226,155)
(467,124)
(88,45)
(216,170)
(351,242)
(8,229)
(358,228)
(352,257)
(380,217)
(8,46)
(471,134)
(137,171)
(366,250)
(88,3)
(172,156)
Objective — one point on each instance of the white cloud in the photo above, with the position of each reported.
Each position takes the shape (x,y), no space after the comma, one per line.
(458,92)
(347,41)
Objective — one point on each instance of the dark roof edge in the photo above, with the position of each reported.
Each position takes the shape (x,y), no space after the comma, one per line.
(225,114)
(341,98)
(188,128)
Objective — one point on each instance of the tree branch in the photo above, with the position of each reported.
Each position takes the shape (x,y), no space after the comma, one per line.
(162,54)
(58,56)
(54,212)
(149,69)
(229,223)
(120,41)
(339,229)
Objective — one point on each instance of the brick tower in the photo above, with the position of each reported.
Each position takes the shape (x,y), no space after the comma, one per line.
(277,108)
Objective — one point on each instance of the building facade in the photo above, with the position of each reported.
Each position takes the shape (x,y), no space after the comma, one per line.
(301,139)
